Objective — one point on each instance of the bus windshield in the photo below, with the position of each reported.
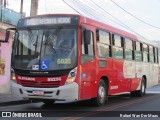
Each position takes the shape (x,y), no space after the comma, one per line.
(45,49)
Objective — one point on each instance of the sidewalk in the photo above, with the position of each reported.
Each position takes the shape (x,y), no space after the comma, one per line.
(12,98)
(9,99)
(155,89)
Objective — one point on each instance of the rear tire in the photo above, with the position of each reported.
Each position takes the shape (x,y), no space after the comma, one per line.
(101,94)
(142,90)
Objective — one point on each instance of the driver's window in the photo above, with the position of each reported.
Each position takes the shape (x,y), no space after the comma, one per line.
(87,50)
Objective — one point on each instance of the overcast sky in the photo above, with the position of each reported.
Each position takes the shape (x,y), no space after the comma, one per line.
(146,10)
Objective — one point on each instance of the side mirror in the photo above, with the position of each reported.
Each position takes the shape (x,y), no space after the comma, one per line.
(7,35)
(87,36)
(2,41)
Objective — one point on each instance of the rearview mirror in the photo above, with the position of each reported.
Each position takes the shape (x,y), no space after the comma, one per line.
(87,36)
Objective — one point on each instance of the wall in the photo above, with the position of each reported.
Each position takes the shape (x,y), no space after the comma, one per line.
(5,58)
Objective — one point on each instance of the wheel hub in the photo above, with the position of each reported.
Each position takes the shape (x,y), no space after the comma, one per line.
(101,94)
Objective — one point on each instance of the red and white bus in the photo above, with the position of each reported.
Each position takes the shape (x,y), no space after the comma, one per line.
(71,57)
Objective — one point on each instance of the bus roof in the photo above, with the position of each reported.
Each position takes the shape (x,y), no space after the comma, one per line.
(109,28)
(100,25)
(115,30)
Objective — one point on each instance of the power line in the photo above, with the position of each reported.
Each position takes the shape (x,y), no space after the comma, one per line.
(71,7)
(135,16)
(97,13)
(46,7)
(117,19)
(116,22)
(85,11)
(82,4)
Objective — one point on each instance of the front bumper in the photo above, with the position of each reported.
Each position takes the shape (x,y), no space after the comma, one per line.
(65,92)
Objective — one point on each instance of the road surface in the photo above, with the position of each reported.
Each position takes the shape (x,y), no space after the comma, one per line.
(84,110)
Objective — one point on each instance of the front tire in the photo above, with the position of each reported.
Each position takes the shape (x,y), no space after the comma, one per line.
(101,94)
(48,102)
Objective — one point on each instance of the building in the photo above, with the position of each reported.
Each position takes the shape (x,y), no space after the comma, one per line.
(8,19)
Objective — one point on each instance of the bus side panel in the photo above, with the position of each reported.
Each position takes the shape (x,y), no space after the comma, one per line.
(115,85)
(87,80)
(146,70)
(156,73)
(132,72)
(107,72)
(153,75)
(88,74)
(136,80)
(129,76)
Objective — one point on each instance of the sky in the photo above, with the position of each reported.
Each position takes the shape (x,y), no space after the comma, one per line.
(106,11)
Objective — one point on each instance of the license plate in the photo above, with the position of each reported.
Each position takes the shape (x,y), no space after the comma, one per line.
(38,92)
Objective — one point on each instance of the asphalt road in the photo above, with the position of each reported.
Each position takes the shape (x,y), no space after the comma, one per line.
(125,104)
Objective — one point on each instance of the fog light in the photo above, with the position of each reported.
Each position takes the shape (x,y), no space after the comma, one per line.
(70,80)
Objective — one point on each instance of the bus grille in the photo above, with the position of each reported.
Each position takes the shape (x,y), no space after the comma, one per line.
(40,84)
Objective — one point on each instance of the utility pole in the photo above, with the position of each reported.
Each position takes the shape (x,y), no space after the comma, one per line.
(5,3)
(21,8)
(1,2)
(34,7)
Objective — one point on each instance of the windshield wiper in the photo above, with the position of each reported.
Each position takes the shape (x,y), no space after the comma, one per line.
(33,41)
(50,38)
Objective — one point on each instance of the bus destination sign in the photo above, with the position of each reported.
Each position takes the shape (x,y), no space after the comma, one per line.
(44,21)
(39,21)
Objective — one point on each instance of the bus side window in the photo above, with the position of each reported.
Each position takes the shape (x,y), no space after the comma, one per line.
(103,43)
(151,54)
(155,55)
(128,49)
(138,52)
(145,53)
(117,48)
(87,50)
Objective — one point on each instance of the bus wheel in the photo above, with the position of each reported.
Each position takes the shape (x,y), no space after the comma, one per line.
(48,102)
(101,94)
(142,90)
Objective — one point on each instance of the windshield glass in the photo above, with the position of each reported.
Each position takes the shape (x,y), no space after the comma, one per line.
(47,49)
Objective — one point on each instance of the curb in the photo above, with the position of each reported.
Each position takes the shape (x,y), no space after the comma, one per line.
(15,102)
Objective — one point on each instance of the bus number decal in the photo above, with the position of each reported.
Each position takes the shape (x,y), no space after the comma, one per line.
(65,61)
(54,79)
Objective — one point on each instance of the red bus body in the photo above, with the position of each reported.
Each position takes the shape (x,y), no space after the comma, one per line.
(119,75)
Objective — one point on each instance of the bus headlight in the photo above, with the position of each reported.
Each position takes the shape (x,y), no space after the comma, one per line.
(72,76)
(13,76)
